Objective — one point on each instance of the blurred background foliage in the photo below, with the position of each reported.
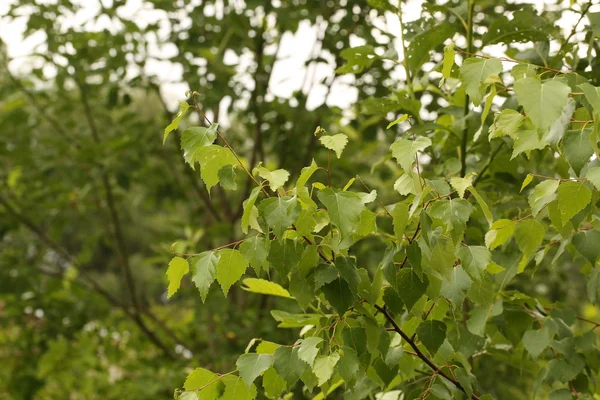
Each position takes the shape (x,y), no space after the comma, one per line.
(91,201)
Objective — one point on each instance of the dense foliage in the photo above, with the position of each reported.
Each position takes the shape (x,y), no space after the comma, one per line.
(438,240)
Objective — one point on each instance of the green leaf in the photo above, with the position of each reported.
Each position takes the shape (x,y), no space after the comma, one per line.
(524,26)
(348,365)
(410,287)
(455,287)
(479,316)
(400,219)
(592,94)
(204,267)
(288,365)
(339,295)
(520,71)
(230,268)
(474,259)
(506,123)
(284,255)
(273,384)
(262,286)
(357,59)
(402,118)
(489,100)
(383,5)
(212,158)
(301,190)
(251,366)
(280,213)
(542,194)
(346,267)
(453,213)
(206,380)
(526,141)
(442,257)
(226,176)
(526,181)
(529,235)
(248,206)
(572,198)
(344,209)
(421,44)
(335,143)
(474,72)
(461,184)
(593,285)
(308,349)
(577,148)
(323,367)
(593,175)
(178,267)
(196,137)
(406,184)
(183,107)
(536,341)
(405,150)
(432,334)
(588,244)
(483,205)
(236,389)
(500,232)
(256,250)
(448,62)
(276,178)
(543,102)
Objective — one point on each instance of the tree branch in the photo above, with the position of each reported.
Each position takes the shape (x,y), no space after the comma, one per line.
(465,138)
(419,353)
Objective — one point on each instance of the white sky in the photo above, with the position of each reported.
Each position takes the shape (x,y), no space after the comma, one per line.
(288,71)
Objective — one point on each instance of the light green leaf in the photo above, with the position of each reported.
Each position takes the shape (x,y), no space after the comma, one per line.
(432,334)
(196,137)
(494,268)
(486,110)
(520,71)
(542,194)
(178,267)
(543,102)
(251,366)
(323,367)
(500,232)
(248,207)
(262,286)
(405,184)
(483,205)
(273,384)
(474,72)
(204,270)
(236,389)
(405,150)
(288,365)
(276,178)
(526,181)
(474,259)
(183,107)
(526,141)
(506,123)
(453,213)
(206,380)
(572,198)
(230,268)
(593,175)
(344,209)
(335,143)
(455,287)
(461,184)
(448,62)
(212,158)
(357,59)
(529,235)
(535,341)
(592,94)
(308,350)
(280,213)
(400,219)
(577,148)
(402,118)
(301,190)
